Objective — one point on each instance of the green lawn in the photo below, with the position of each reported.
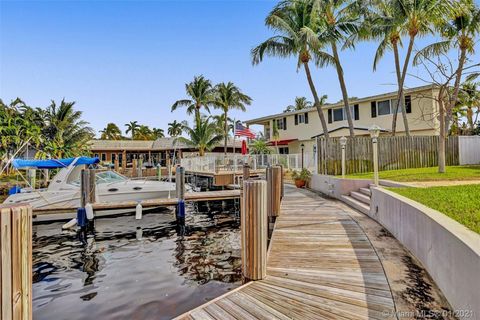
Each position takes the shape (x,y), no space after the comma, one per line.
(425,174)
(461,203)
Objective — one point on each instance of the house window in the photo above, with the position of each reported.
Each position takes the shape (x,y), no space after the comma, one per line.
(282,123)
(104,157)
(95,155)
(386,107)
(267,133)
(339,114)
(383,107)
(283,150)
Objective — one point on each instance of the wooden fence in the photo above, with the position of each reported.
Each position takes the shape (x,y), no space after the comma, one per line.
(16,262)
(393,153)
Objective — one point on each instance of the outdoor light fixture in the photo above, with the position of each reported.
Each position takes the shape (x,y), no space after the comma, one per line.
(343,143)
(302,145)
(374,133)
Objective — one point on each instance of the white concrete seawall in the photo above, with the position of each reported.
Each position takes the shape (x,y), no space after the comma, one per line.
(448,250)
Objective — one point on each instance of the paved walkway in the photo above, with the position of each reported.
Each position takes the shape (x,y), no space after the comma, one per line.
(321,265)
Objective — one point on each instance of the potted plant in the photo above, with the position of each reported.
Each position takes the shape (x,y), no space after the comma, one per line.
(301,178)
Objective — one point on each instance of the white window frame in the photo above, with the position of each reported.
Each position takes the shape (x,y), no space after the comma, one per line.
(301,118)
(344,115)
(390,107)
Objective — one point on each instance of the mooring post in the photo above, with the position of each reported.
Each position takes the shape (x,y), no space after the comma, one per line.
(116,164)
(246,173)
(134,167)
(254,231)
(180,188)
(87,197)
(274,190)
(16,262)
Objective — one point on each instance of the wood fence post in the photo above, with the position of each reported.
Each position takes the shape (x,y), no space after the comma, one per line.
(254,229)
(16,262)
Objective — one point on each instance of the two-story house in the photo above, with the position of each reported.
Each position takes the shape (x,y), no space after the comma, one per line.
(301,127)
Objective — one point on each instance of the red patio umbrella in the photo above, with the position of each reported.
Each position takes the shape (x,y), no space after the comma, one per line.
(244,147)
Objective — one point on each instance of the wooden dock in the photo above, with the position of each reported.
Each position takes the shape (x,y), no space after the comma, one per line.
(163,202)
(320,265)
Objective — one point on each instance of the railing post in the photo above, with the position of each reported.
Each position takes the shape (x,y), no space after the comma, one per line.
(254,229)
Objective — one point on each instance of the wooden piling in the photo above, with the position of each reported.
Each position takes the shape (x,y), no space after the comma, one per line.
(274,190)
(134,167)
(116,165)
(87,187)
(254,229)
(16,262)
(180,183)
(246,172)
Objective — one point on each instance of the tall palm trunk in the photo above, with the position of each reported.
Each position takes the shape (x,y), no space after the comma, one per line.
(400,87)
(471,125)
(344,89)
(226,133)
(456,88)
(316,100)
(401,101)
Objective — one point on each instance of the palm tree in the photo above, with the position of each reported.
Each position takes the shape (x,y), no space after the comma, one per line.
(143,133)
(201,92)
(132,127)
(111,132)
(65,131)
(259,147)
(469,98)
(175,128)
(415,20)
(297,24)
(460,31)
(229,97)
(158,133)
(384,23)
(340,19)
(275,134)
(204,136)
(300,104)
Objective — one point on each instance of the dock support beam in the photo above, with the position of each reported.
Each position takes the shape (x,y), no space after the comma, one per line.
(254,229)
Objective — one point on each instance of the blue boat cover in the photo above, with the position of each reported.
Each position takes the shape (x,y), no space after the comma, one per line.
(52,163)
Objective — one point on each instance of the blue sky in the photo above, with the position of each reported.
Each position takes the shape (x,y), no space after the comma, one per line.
(129,60)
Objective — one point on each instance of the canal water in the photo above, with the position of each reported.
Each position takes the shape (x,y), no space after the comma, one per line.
(136,269)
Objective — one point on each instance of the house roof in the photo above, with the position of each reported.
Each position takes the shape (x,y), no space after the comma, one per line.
(160,144)
(335,105)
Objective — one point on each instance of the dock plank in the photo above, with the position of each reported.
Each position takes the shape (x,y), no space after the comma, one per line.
(320,265)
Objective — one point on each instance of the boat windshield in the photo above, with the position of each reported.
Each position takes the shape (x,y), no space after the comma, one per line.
(108,177)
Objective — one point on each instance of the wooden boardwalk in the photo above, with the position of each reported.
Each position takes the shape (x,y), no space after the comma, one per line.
(320,265)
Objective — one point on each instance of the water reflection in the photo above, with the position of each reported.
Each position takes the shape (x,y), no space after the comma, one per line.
(149,268)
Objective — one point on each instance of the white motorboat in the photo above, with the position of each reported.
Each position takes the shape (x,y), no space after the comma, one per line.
(64,189)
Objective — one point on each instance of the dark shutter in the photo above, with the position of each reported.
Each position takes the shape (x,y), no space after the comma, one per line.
(284,123)
(373,106)
(330,116)
(356,115)
(306,117)
(296,119)
(408,104)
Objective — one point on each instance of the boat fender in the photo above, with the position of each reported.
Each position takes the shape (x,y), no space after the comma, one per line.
(81,217)
(70,224)
(138,211)
(14,190)
(89,210)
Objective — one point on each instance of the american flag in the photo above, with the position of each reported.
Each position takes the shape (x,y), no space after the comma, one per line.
(240,131)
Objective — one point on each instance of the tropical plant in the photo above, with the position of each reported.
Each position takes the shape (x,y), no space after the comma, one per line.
(297,25)
(300,104)
(175,128)
(459,31)
(339,20)
(469,97)
(229,97)
(303,174)
(111,132)
(204,136)
(132,128)
(201,94)
(259,147)
(157,133)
